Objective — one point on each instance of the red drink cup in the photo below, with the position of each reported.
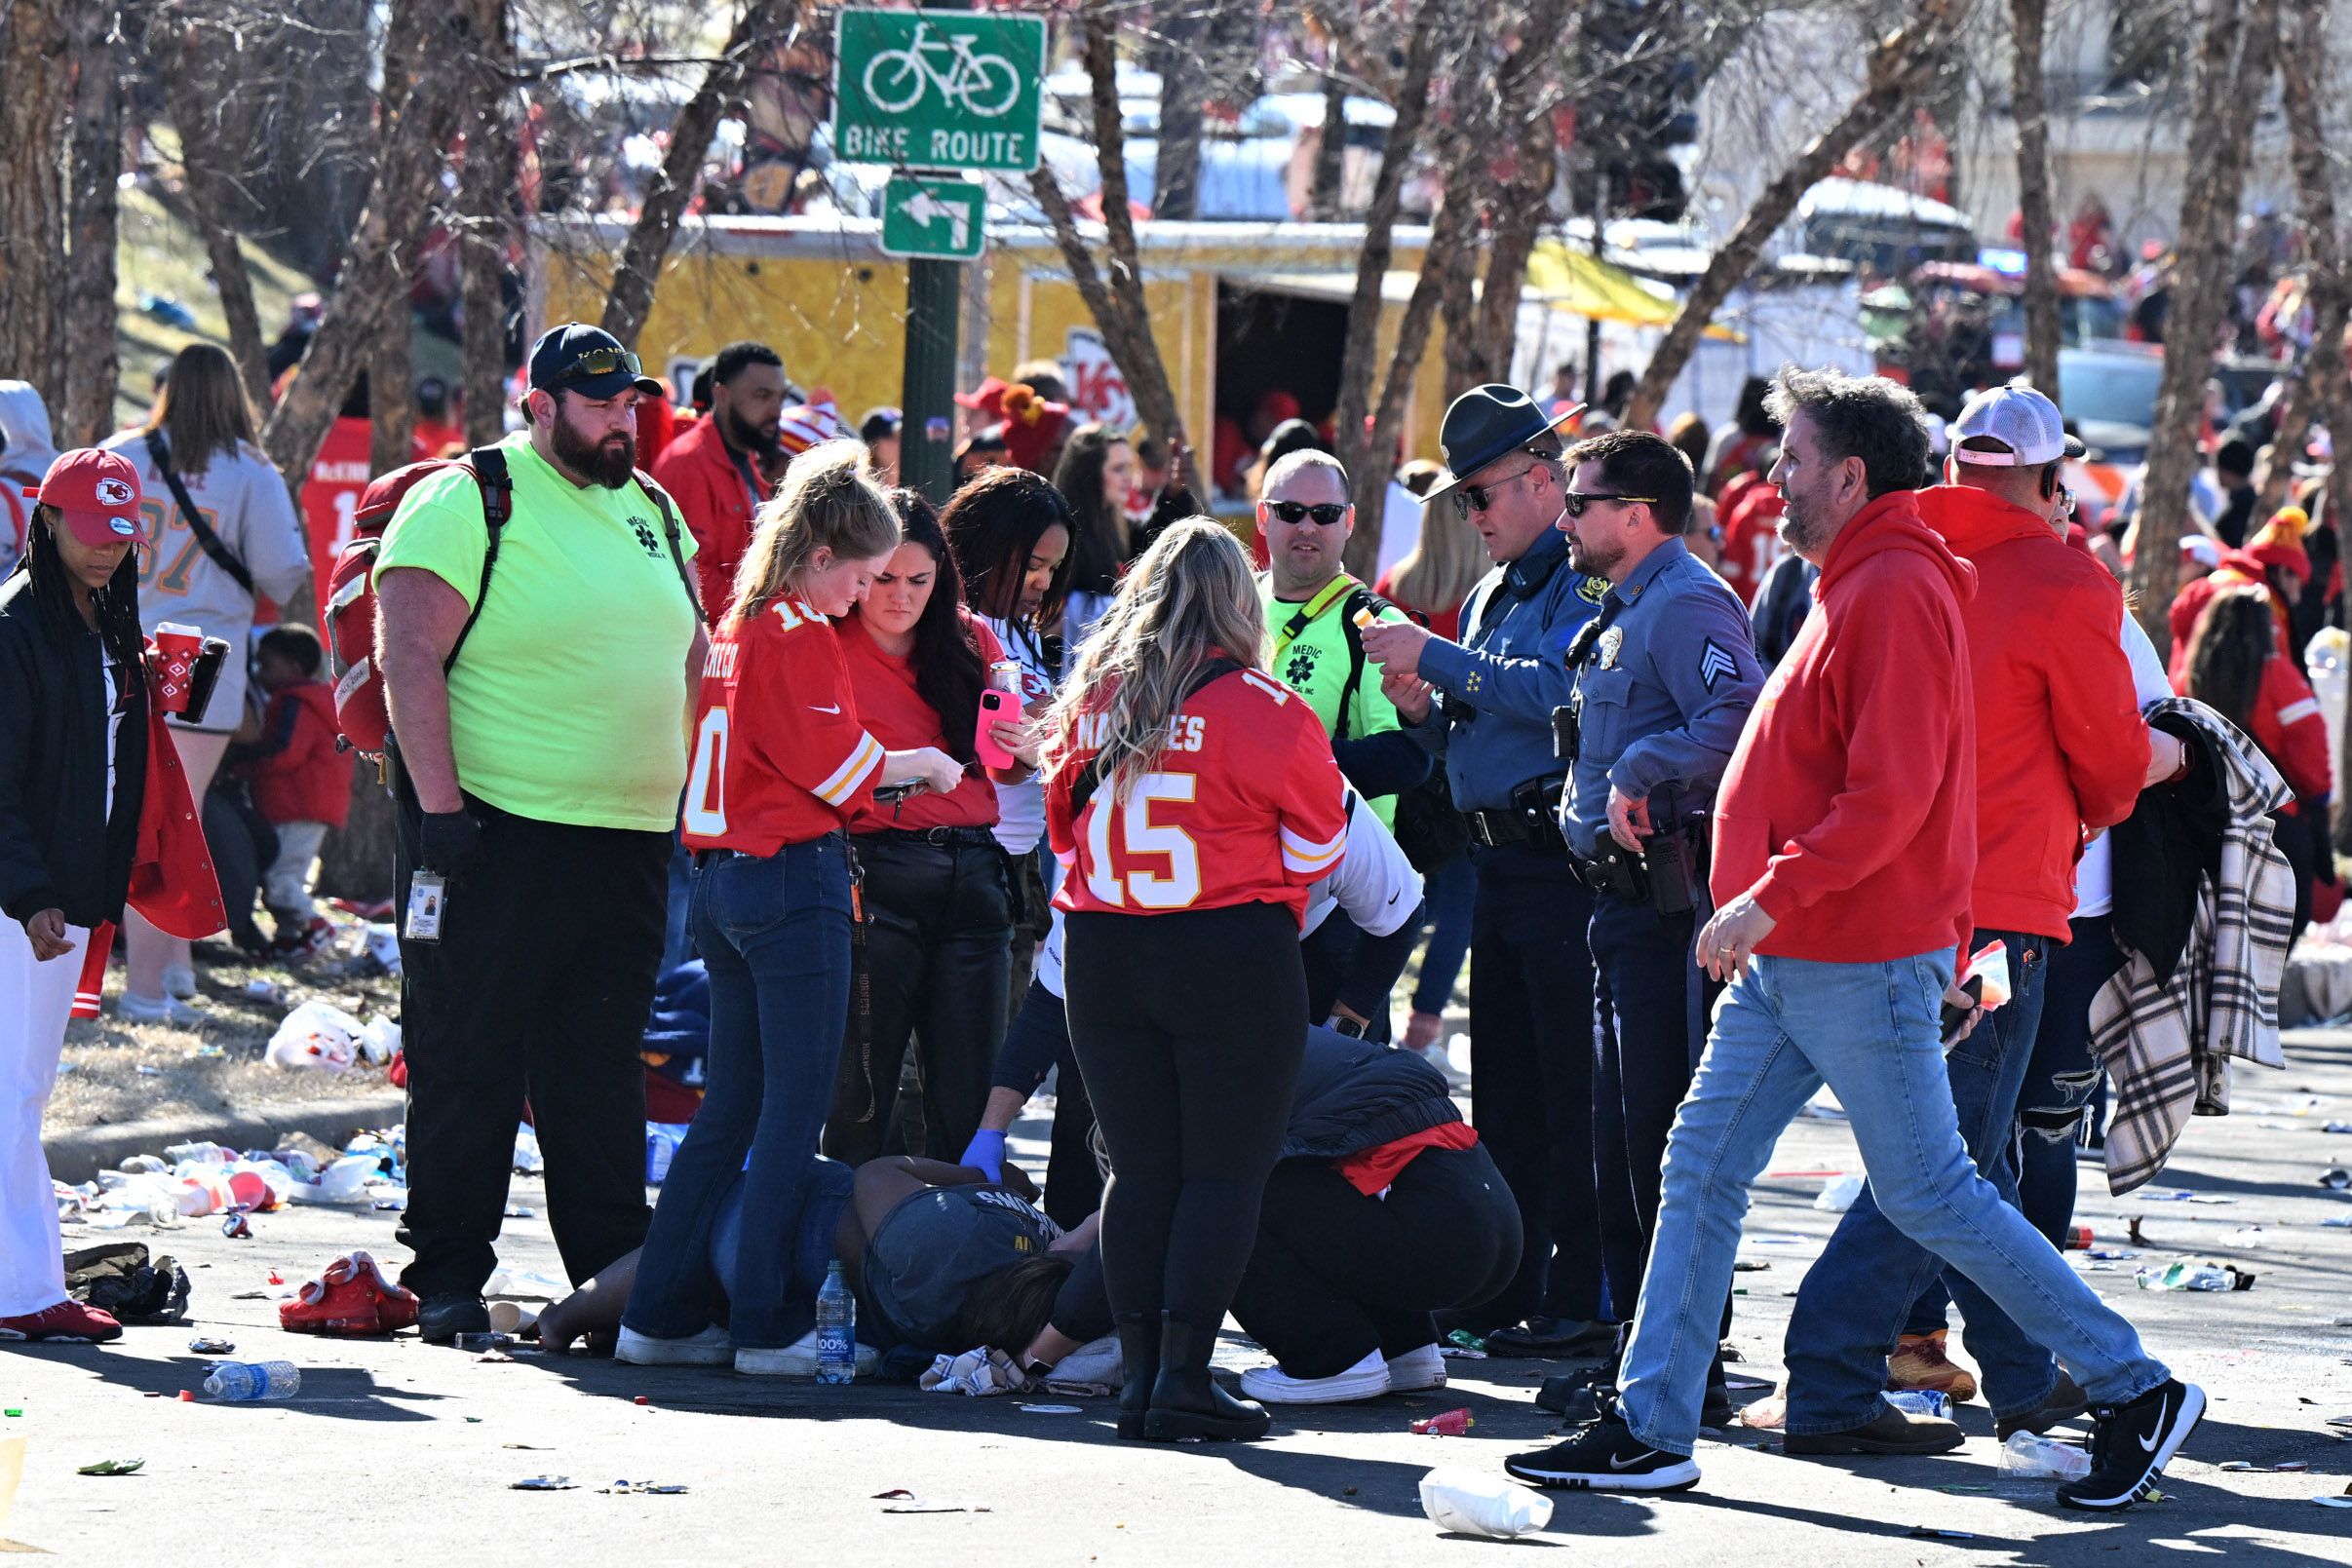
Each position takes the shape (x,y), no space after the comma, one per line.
(177,648)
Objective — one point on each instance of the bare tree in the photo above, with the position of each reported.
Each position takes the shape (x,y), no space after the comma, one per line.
(763,24)
(2029,102)
(1116,300)
(1184,95)
(1902,67)
(95,175)
(2234,63)
(484,193)
(33,41)
(390,393)
(177,52)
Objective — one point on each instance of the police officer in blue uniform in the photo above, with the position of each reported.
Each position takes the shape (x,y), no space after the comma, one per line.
(1484,704)
(1666,675)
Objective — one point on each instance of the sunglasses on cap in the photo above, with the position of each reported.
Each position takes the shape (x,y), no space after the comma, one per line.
(1329,514)
(1578,501)
(599,361)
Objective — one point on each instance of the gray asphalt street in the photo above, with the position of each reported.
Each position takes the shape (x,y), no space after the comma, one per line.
(396,1448)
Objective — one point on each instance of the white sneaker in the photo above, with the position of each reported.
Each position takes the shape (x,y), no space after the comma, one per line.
(180,980)
(798,1359)
(710,1347)
(1422,1368)
(155,1009)
(1097,1361)
(1367,1379)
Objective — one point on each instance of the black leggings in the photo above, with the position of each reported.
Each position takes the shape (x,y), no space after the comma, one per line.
(1188,1028)
(1337,1276)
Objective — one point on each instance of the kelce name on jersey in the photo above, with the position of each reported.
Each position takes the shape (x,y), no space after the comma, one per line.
(719,662)
(1186,732)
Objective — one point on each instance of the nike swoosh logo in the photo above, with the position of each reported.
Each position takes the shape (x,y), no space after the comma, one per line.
(1616,1463)
(1392,897)
(2147,1445)
(814,708)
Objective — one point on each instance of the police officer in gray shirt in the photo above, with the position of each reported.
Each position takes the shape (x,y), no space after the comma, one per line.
(1666,677)
(1484,704)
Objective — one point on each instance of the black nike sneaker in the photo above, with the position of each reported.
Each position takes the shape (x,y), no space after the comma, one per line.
(2133,1443)
(1605,1456)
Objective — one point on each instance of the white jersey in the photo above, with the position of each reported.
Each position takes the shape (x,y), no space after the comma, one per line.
(2094,873)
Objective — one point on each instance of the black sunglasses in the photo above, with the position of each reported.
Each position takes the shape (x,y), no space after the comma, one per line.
(1576,501)
(1330,514)
(1469,498)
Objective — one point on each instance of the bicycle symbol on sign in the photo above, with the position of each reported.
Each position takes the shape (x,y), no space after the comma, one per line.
(985,85)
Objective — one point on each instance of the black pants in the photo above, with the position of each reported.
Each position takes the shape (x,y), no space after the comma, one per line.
(538,990)
(1189,1027)
(1039,1043)
(1532,1073)
(1337,1276)
(940,919)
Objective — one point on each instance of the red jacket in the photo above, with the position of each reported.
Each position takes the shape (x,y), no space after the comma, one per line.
(702,478)
(2286,723)
(2060,746)
(1747,514)
(1849,808)
(2237,571)
(307,780)
(171,878)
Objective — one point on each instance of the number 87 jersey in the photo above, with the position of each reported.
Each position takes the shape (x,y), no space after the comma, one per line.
(1245,806)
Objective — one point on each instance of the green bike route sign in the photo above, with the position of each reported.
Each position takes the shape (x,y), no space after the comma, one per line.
(938,88)
(939,218)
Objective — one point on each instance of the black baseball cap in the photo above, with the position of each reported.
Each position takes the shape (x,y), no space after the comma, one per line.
(590,360)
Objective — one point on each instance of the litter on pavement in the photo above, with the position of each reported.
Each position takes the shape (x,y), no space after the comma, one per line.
(1467,1502)
(544,1483)
(113,1467)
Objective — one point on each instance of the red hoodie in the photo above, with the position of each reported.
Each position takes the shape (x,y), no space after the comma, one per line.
(1849,808)
(2237,571)
(2060,746)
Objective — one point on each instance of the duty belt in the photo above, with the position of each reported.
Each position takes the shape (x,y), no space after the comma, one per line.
(1518,825)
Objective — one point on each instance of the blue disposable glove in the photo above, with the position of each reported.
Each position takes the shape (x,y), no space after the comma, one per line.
(987,1152)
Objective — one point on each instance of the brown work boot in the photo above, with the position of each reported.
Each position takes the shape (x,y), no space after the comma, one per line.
(1890,1431)
(1919,1362)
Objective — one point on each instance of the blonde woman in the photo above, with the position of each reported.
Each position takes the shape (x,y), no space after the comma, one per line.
(781,763)
(1191,798)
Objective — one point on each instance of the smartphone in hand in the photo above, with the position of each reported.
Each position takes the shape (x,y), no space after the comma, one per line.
(1954,1017)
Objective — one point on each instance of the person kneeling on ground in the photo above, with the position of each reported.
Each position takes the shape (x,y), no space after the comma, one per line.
(942,1257)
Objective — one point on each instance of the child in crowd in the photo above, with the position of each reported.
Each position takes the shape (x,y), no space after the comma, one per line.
(301,784)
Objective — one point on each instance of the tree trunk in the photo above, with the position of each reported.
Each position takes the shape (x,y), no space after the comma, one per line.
(356,860)
(215,205)
(763,23)
(1184,91)
(2030,101)
(1116,301)
(1457,288)
(400,202)
(1360,352)
(1900,67)
(90,366)
(484,199)
(33,63)
(392,394)
(2233,75)
(1327,191)
(1518,217)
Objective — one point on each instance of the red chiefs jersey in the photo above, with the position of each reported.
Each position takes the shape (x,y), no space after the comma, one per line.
(1245,806)
(778,755)
(1751,542)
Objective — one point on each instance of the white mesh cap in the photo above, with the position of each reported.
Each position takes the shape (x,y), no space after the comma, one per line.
(2023,421)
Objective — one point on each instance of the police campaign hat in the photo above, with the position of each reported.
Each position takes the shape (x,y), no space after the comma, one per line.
(1486,423)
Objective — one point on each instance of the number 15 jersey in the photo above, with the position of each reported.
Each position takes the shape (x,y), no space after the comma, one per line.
(1245,806)
(778,755)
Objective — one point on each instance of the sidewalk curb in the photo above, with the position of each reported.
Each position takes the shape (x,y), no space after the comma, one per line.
(78,1156)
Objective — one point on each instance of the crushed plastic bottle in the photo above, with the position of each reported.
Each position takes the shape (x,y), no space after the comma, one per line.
(1838,1193)
(2027,1457)
(2183,1274)
(836,1328)
(1922,1402)
(250,1382)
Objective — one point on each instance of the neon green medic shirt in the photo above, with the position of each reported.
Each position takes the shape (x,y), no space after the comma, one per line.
(568,703)
(1318,659)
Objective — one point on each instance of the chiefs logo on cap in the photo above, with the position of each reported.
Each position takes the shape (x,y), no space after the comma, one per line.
(111,492)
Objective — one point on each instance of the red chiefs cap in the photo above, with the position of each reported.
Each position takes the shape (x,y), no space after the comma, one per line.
(96,492)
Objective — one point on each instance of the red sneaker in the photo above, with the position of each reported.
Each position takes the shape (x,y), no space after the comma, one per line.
(68,1322)
(351,1298)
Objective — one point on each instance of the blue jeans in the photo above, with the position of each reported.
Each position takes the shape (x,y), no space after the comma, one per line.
(1451,890)
(1871,1032)
(1863,1291)
(775,936)
(808,1235)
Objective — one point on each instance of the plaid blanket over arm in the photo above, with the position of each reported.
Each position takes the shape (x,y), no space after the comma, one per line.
(2168,1046)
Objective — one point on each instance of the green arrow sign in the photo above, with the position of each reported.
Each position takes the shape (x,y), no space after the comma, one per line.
(937,88)
(933,218)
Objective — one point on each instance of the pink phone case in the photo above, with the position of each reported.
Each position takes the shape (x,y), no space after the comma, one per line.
(995,705)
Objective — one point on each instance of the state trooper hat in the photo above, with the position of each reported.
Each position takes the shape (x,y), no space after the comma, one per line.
(1486,423)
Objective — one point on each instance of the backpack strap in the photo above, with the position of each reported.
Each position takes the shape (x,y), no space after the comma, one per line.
(487,464)
(159,454)
(1090,777)
(678,554)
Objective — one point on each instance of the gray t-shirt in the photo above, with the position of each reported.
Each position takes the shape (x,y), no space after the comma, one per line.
(924,1258)
(246,505)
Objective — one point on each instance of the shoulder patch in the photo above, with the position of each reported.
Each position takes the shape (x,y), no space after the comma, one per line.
(1714,663)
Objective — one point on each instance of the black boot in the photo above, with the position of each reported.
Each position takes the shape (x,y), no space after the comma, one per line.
(1187,1401)
(1139,1366)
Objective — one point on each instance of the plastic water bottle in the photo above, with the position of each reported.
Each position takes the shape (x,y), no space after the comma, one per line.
(244,1382)
(836,1328)
(1922,1402)
(2026,1457)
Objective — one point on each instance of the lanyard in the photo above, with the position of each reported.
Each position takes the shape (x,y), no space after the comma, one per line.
(1308,614)
(749,474)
